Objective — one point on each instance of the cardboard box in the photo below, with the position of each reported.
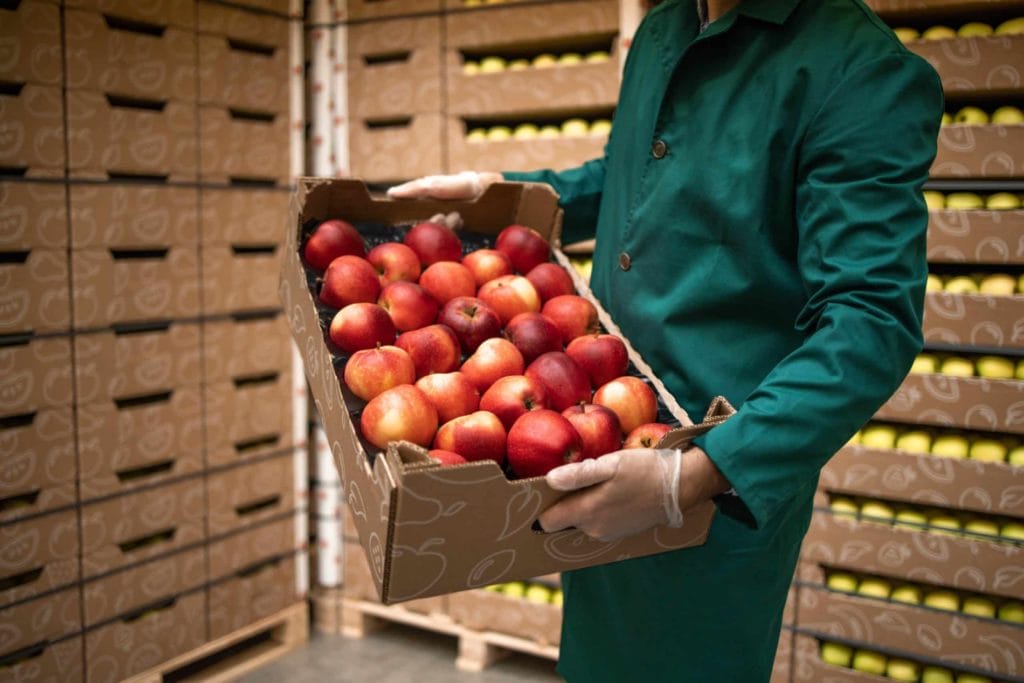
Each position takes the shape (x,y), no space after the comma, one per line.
(949,401)
(357,583)
(133,215)
(127,444)
(242,549)
(33,215)
(394,67)
(248,417)
(984,487)
(979,152)
(112,54)
(125,286)
(919,633)
(391,149)
(144,584)
(111,137)
(250,493)
(975,236)
(60,661)
(978,566)
(32,131)
(243,215)
(483,610)
(142,640)
(989,65)
(39,555)
(430,530)
(34,292)
(279,7)
(238,278)
(548,24)
(35,374)
(240,145)
(30,33)
(376,9)
(38,466)
(809,668)
(177,13)
(906,9)
(124,530)
(519,155)
(782,669)
(974,320)
(252,594)
(40,621)
(245,347)
(242,75)
(240,24)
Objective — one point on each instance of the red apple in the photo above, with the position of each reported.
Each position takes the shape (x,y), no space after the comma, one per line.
(447,458)
(646,435)
(564,382)
(513,396)
(409,305)
(598,428)
(434,242)
(525,247)
(433,348)
(471,320)
(533,335)
(510,295)
(602,356)
(361,326)
(487,264)
(399,414)
(373,371)
(478,436)
(447,280)
(493,359)
(550,280)
(540,441)
(394,261)
(631,399)
(573,315)
(331,239)
(451,393)
(349,280)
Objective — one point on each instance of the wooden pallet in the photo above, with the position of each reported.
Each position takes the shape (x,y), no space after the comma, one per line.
(477,649)
(226,659)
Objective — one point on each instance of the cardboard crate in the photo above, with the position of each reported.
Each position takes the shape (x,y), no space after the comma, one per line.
(252,594)
(36,374)
(990,152)
(483,610)
(279,7)
(39,469)
(248,416)
(974,320)
(357,583)
(239,145)
(975,236)
(921,479)
(519,155)
(145,638)
(243,215)
(34,292)
(127,444)
(926,9)
(377,9)
(948,401)
(252,545)
(239,277)
(144,584)
(390,149)
(250,493)
(177,13)
(32,127)
(397,497)
(33,215)
(782,669)
(243,75)
(60,661)
(245,347)
(240,24)
(40,555)
(394,67)
(30,33)
(120,531)
(133,215)
(40,622)
(809,668)
(978,566)
(126,286)
(544,23)
(107,53)
(983,65)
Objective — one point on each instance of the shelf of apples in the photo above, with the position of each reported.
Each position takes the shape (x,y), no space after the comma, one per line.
(941,443)
(930,519)
(893,668)
(575,127)
(971,115)
(538,593)
(987,366)
(971,29)
(971,201)
(487,355)
(992,284)
(496,64)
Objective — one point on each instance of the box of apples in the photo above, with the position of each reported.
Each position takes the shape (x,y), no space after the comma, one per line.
(455,358)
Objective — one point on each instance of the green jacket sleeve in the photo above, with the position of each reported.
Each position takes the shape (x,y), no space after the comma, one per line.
(861,224)
(580,192)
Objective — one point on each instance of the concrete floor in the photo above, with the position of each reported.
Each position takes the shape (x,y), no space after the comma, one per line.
(397,654)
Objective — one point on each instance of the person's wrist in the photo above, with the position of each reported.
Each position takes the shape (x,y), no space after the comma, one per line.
(700,479)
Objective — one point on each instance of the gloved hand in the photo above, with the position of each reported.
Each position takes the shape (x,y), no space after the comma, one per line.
(465,185)
(618,494)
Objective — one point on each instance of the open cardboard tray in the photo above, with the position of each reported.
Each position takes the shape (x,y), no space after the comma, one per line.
(429,530)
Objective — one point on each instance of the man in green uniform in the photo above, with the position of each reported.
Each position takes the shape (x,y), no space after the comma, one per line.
(760,234)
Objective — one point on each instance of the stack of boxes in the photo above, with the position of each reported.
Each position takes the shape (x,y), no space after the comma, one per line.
(152,494)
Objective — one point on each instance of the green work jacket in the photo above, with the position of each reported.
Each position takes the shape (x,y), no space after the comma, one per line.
(761,235)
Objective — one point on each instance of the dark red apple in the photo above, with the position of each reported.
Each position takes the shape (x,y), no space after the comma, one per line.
(550,280)
(573,315)
(598,428)
(433,348)
(477,436)
(534,335)
(540,441)
(511,397)
(434,242)
(471,320)
(631,399)
(602,356)
(447,280)
(362,326)
(331,239)
(564,382)
(349,280)
(394,261)
(524,246)
(408,304)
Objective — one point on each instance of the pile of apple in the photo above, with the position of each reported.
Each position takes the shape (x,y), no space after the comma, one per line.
(993,284)
(975,116)
(894,668)
(942,443)
(495,64)
(537,593)
(972,29)
(932,520)
(971,201)
(990,367)
(570,128)
(490,355)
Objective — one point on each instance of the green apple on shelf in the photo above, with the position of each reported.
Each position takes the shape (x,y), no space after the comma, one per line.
(836,654)
(911,519)
(525,131)
(876,511)
(570,59)
(477,135)
(1011,27)
(1002,201)
(874,588)
(601,127)
(936,674)
(910,595)
(549,132)
(979,607)
(855,439)
(869,662)
(878,436)
(938,33)
(988,450)
(944,600)
(516,589)
(842,581)
(556,597)
(917,441)
(945,524)
(934,200)
(946,120)
(597,57)
(974,29)
(998,284)
(971,116)
(575,128)
(924,364)
(843,506)
(470,68)
(1012,611)
(499,133)
(1016,456)
(950,446)
(957,366)
(519,64)
(490,65)
(907,35)
(903,670)
(1013,531)
(984,527)
(544,61)
(538,593)
(961,284)
(972,678)
(964,201)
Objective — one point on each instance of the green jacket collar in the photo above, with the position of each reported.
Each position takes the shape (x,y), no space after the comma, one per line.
(773,11)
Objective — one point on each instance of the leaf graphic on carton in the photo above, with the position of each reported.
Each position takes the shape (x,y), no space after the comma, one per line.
(939,470)
(15,551)
(1012,498)
(13,308)
(1012,650)
(1015,414)
(13,220)
(851,551)
(15,389)
(522,510)
(154,371)
(892,622)
(157,441)
(849,622)
(417,509)
(932,546)
(930,637)
(148,150)
(15,468)
(491,569)
(982,417)
(1010,577)
(898,477)
(429,565)
(12,135)
(859,475)
(975,498)
(576,546)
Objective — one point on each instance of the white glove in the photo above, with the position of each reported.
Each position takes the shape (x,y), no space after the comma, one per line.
(465,185)
(623,493)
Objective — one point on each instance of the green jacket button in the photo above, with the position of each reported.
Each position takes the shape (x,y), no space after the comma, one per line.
(624,261)
(659,149)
